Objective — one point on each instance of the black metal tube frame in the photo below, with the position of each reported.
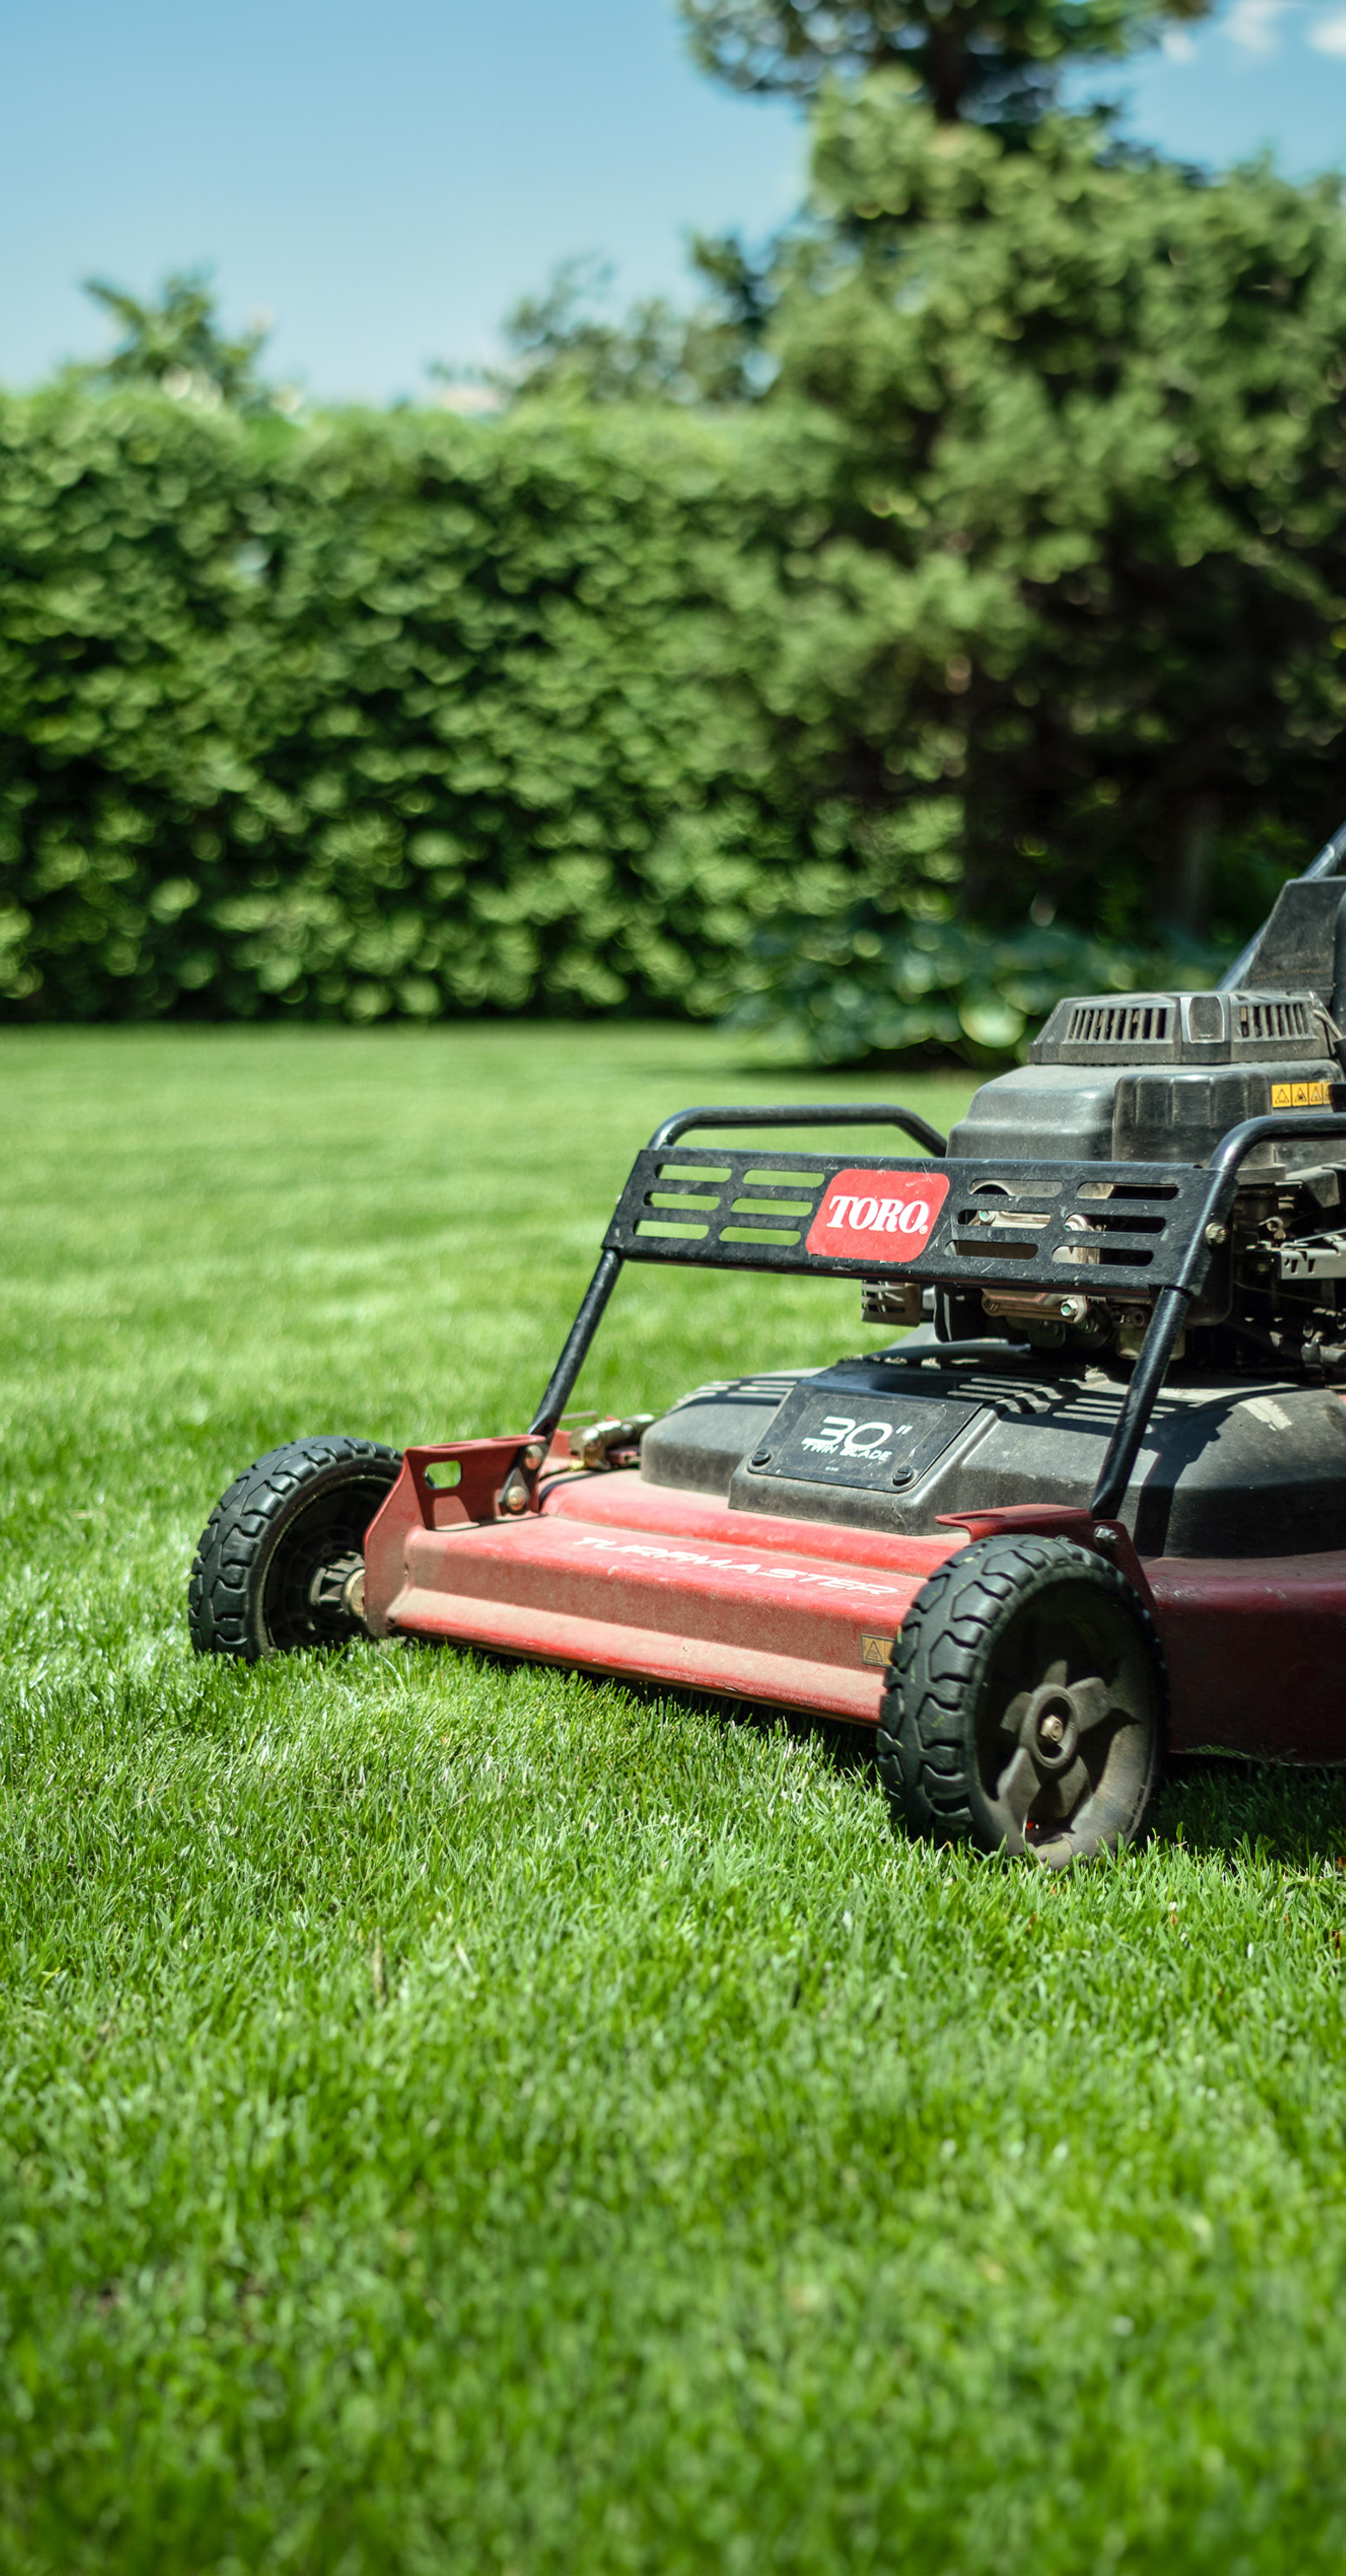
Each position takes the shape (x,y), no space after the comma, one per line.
(1327,864)
(856,1113)
(561,1385)
(1172,1305)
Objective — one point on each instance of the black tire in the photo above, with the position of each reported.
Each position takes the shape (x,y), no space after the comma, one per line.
(281,1559)
(1026,1706)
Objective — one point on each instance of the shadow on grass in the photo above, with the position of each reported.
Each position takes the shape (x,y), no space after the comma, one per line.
(1214,1803)
(844,1747)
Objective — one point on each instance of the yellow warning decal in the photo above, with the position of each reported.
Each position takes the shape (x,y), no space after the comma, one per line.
(1301,1095)
(876,1650)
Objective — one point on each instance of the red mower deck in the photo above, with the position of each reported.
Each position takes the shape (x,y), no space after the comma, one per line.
(611,1575)
(621,1577)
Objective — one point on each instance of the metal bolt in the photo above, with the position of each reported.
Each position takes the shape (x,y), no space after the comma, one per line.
(1052,1730)
(515,1498)
(760,1458)
(1074,1309)
(1103,1536)
(534,1454)
(1217,1234)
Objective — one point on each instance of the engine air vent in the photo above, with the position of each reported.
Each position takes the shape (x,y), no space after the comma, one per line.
(1139,1029)
(1294,1017)
(1119,1023)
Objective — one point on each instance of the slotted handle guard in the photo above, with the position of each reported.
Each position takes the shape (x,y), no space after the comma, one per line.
(1040,1226)
(1105,1228)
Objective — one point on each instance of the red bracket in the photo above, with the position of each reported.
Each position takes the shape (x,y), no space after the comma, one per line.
(485,1468)
(1111,1540)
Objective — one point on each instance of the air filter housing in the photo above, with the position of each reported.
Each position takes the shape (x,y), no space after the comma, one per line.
(1158,1078)
(1140,1029)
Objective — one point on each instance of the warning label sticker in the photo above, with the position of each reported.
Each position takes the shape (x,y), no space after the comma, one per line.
(878,1216)
(1301,1095)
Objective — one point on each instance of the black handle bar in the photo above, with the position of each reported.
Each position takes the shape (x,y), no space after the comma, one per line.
(1172,1305)
(852,1113)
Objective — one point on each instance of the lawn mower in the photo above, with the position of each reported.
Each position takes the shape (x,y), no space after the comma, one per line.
(1089,1501)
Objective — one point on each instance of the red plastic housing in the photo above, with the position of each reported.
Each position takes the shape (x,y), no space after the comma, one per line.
(607,1573)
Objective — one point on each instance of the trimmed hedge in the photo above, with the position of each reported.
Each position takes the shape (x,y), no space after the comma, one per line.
(408,714)
(575,710)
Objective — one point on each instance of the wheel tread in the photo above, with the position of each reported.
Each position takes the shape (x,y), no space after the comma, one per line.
(219,1584)
(923,1741)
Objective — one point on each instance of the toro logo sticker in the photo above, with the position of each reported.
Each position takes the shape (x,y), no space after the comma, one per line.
(878,1216)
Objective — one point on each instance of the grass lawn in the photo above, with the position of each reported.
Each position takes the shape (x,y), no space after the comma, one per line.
(461,2117)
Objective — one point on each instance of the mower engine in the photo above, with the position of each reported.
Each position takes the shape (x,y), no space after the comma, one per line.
(1147,1082)
(1161,1078)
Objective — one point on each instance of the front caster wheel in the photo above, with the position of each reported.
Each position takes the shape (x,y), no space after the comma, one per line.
(281,1561)
(1026,1704)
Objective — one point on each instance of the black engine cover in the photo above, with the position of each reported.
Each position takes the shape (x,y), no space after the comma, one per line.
(1244,1468)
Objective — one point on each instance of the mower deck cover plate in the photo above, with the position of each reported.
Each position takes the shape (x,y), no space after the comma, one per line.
(834,1430)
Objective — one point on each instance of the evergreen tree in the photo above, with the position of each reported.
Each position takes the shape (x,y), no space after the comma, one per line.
(996,61)
(1095,450)
(567,343)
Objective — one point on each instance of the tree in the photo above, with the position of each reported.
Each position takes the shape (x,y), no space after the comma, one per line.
(1096,458)
(178,345)
(995,61)
(566,343)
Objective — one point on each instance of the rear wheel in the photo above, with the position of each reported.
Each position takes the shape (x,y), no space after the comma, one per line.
(1026,1704)
(281,1560)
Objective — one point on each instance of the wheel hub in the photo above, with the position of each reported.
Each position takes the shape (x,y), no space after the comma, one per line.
(1065,1732)
(1050,1731)
(336,1590)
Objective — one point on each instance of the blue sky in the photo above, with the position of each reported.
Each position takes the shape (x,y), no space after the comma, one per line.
(1260,75)
(384,180)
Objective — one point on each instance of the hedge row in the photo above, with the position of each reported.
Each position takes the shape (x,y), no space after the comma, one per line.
(576,710)
(865,984)
(409,714)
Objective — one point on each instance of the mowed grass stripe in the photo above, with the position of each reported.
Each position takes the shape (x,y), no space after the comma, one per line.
(460,2115)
